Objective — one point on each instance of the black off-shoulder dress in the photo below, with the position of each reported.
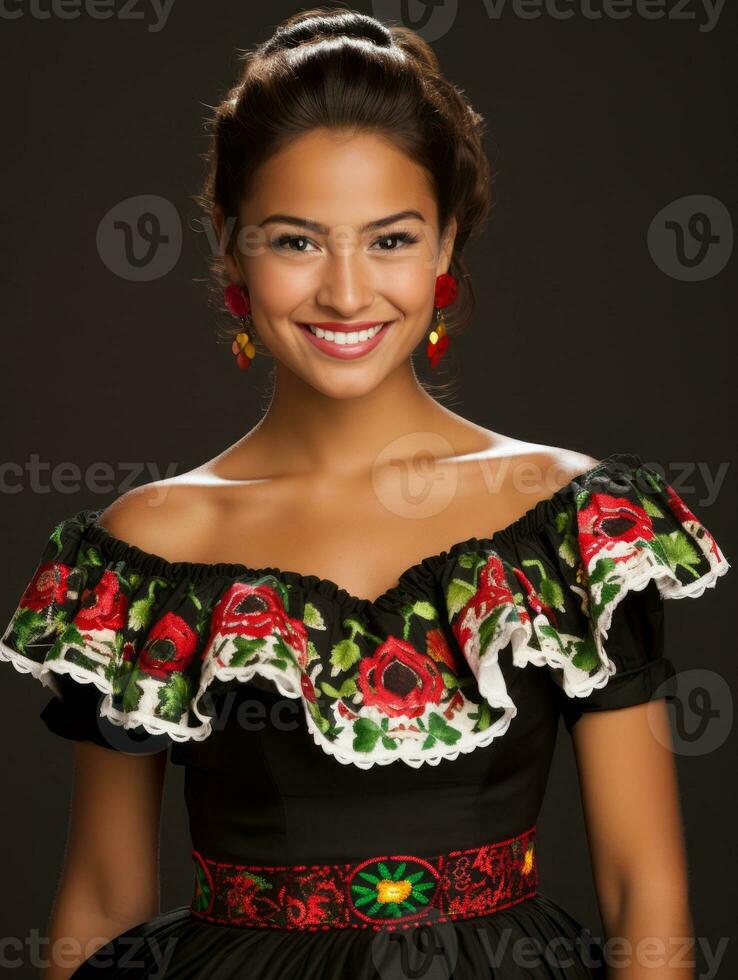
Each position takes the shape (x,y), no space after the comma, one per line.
(363,778)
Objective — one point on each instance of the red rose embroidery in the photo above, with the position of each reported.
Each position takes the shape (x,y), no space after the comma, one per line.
(256,610)
(399,680)
(170,646)
(492,592)
(103,607)
(48,586)
(607,521)
(250,610)
(533,598)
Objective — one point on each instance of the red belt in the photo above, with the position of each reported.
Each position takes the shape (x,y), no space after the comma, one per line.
(389,891)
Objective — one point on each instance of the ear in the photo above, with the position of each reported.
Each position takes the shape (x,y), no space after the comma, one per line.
(447,246)
(223,230)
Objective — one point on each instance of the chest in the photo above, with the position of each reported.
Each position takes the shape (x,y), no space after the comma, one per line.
(361,536)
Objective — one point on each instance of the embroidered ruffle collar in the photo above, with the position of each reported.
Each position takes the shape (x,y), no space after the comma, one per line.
(412,675)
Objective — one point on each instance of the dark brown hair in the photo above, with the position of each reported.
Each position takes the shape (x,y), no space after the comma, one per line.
(344,70)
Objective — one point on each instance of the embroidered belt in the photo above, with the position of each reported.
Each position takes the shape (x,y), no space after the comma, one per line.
(387,891)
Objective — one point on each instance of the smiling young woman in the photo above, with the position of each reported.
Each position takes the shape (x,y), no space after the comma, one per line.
(373,572)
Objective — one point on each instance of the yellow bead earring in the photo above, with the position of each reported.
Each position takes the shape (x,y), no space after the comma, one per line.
(438,340)
(239,305)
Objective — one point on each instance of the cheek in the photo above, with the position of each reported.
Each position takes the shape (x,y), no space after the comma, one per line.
(410,288)
(279,289)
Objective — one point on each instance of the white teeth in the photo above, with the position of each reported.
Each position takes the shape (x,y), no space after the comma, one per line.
(341,337)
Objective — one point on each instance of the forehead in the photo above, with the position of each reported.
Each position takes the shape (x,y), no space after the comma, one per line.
(340,178)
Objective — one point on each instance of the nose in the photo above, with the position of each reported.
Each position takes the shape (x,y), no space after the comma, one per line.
(347,285)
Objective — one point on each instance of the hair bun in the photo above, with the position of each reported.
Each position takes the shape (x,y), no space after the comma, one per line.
(307,27)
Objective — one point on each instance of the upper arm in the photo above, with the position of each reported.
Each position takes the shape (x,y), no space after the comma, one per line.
(630,800)
(111,863)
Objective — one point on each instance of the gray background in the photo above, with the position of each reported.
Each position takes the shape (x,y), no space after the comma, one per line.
(580,339)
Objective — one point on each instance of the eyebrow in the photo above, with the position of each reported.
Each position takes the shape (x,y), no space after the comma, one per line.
(320,229)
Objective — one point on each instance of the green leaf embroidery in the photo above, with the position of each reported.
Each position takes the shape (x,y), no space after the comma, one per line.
(322,723)
(55,536)
(601,571)
(174,697)
(449,680)
(347,689)
(609,592)
(547,630)
(425,610)
(488,628)
(650,507)
(585,657)
(458,594)
(28,625)
(90,557)
(247,649)
(313,617)
(344,655)
(679,551)
(552,593)
(121,678)
(132,692)
(366,735)
(139,613)
(483,717)
(569,550)
(440,729)
(312,652)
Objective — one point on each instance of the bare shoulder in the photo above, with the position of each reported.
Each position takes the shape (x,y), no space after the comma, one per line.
(552,466)
(538,471)
(567,463)
(169,518)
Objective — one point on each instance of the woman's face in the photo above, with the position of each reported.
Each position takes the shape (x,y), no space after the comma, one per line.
(341,233)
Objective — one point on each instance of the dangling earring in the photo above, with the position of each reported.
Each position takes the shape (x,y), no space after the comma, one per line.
(438,339)
(238,303)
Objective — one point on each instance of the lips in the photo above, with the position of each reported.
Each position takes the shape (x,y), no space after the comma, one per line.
(346,351)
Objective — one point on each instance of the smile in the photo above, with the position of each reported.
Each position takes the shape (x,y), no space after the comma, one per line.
(344,343)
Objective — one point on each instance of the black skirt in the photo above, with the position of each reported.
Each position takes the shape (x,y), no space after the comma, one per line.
(534,939)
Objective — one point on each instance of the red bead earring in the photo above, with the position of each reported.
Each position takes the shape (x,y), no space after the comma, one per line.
(438,339)
(239,305)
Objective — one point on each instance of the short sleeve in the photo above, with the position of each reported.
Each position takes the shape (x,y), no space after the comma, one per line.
(65,632)
(623,541)
(577,587)
(635,645)
(75,714)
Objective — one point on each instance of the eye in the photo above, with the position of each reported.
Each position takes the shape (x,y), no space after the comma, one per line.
(283,241)
(401,236)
